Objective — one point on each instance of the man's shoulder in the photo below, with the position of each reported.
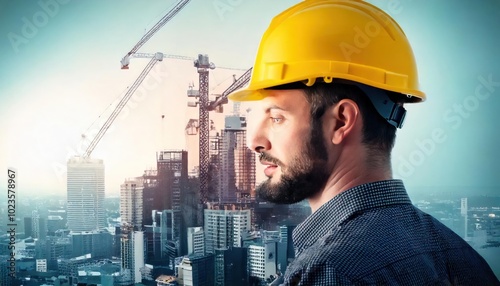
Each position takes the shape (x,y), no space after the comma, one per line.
(386,241)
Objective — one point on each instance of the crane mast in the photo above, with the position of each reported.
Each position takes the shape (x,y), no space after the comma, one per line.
(126,59)
(158,58)
(202,64)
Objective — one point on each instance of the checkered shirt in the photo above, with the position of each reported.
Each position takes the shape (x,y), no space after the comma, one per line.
(373,235)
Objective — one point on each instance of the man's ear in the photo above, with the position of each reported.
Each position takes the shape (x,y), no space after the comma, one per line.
(343,118)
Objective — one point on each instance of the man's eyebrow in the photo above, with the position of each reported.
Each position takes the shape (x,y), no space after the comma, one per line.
(274,106)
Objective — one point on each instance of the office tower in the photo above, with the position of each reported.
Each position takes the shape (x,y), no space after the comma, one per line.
(262,253)
(69,267)
(262,259)
(152,244)
(236,177)
(98,243)
(54,223)
(196,240)
(223,228)
(41,265)
(53,248)
(170,233)
(28,226)
(131,201)
(151,196)
(286,253)
(38,225)
(172,174)
(85,186)
(132,255)
(174,192)
(6,270)
(197,270)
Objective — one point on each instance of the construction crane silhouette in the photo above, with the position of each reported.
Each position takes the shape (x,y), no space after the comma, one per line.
(126,59)
(121,104)
(202,126)
(157,57)
(203,66)
(177,57)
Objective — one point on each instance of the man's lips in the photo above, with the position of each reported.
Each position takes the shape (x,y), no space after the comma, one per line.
(270,169)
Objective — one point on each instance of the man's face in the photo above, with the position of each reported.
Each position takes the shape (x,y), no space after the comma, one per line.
(291,147)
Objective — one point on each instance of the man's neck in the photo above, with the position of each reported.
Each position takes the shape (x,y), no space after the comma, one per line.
(349,172)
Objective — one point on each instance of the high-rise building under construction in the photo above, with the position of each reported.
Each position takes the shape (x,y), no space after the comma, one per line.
(236,176)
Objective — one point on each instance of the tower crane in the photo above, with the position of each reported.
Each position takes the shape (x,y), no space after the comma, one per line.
(126,59)
(158,58)
(202,65)
(177,57)
(239,83)
(202,126)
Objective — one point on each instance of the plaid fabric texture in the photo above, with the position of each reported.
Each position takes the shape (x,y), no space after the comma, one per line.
(373,235)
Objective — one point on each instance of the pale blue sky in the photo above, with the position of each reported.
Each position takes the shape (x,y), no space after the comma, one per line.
(57,81)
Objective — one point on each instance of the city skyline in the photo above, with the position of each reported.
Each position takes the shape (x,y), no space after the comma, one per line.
(59,80)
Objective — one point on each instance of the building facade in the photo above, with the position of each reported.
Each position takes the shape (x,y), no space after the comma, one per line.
(85,194)
(236,177)
(131,202)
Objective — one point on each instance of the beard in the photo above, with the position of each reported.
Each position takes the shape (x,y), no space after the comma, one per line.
(303,177)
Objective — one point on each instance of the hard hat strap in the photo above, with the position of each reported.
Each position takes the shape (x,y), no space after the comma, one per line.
(393,112)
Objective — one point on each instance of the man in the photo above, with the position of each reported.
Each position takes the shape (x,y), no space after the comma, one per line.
(331,78)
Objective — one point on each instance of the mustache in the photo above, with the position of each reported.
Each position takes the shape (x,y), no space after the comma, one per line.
(263,156)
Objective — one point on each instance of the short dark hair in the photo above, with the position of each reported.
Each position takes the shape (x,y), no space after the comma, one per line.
(378,135)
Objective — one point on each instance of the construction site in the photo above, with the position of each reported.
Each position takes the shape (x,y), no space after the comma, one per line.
(208,185)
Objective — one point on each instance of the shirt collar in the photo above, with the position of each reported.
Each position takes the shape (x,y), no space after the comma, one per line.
(336,211)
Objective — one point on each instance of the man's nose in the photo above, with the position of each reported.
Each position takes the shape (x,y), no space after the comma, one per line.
(257,139)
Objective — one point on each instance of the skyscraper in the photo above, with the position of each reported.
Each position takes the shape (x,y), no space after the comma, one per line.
(85,185)
(131,202)
(172,175)
(237,162)
(132,252)
(196,240)
(223,228)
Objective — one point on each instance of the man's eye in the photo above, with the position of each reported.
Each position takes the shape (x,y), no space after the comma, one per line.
(276,119)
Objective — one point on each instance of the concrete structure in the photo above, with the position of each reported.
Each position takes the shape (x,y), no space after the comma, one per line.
(97,243)
(172,172)
(53,248)
(85,192)
(38,225)
(223,228)
(131,202)
(262,253)
(196,240)
(132,255)
(69,267)
(41,265)
(262,259)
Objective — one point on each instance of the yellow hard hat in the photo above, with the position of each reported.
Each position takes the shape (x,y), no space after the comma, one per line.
(329,39)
